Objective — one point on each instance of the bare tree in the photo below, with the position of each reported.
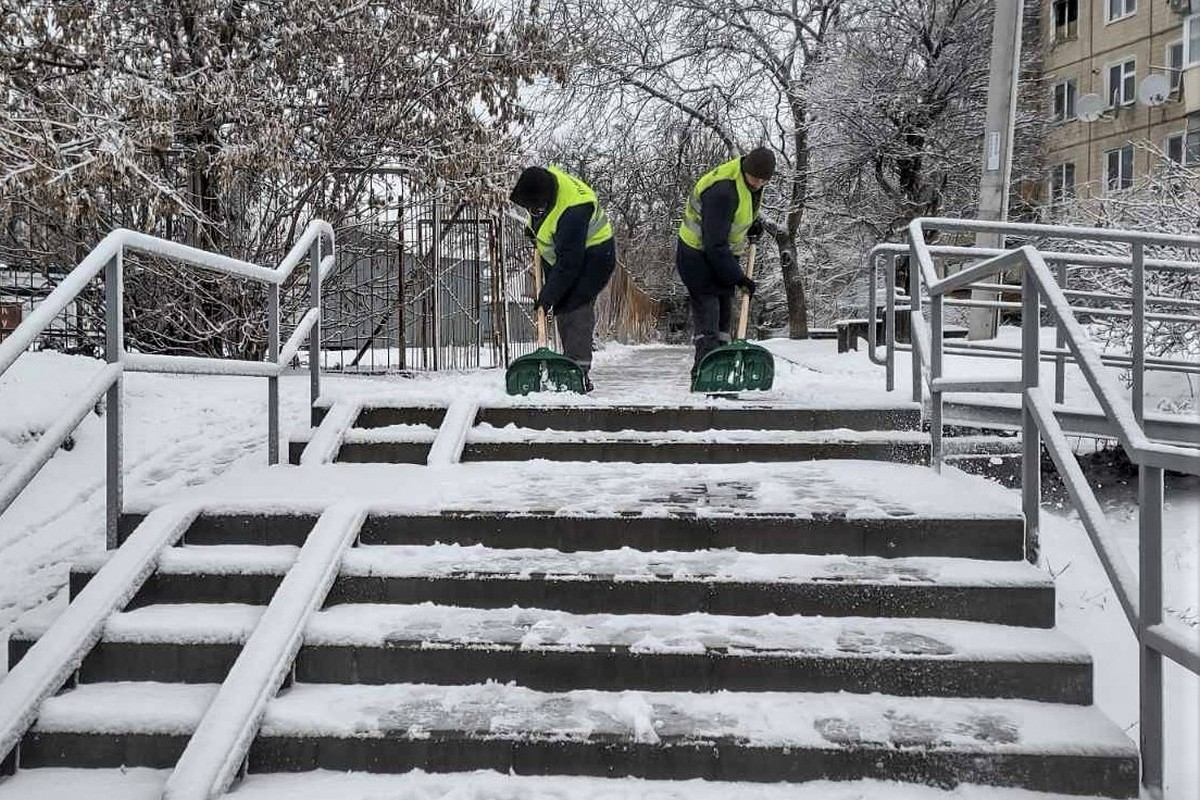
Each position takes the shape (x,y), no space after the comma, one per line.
(736,69)
(229,124)
(1165,200)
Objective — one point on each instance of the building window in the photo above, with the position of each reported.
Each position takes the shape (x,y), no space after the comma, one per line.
(1173,147)
(1191,41)
(1064,100)
(1122,83)
(1120,9)
(1062,183)
(1118,168)
(1183,148)
(1175,65)
(1066,20)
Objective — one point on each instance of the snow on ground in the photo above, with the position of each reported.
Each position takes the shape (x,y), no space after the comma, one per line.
(184,431)
(147,784)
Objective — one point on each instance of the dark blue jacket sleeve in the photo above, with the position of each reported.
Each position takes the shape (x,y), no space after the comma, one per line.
(718,203)
(570,242)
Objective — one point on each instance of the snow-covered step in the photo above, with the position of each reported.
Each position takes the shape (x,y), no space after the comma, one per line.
(761,737)
(394,444)
(700,418)
(50,783)
(984,535)
(619,581)
(147,784)
(757,737)
(510,443)
(491,785)
(126,724)
(553,650)
(988,534)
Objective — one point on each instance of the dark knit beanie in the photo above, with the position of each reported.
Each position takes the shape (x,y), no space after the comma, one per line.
(535,189)
(759,162)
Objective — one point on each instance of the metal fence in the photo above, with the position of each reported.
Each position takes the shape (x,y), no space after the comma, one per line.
(428,283)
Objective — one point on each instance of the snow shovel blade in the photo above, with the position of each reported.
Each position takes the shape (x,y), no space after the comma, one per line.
(543,370)
(735,367)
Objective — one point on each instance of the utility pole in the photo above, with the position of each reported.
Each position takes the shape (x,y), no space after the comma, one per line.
(998,144)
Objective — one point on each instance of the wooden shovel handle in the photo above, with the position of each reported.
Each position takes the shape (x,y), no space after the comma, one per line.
(537,291)
(744,318)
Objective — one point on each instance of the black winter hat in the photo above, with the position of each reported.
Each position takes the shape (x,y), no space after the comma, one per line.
(535,189)
(759,162)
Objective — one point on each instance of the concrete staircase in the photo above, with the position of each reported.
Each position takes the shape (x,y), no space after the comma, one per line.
(740,648)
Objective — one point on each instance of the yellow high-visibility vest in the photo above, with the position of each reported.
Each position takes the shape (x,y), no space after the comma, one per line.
(571,192)
(743,216)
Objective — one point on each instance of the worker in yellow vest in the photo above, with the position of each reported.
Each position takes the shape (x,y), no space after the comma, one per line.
(575,239)
(720,215)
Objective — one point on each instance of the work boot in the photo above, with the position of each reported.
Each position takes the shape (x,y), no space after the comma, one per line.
(587,381)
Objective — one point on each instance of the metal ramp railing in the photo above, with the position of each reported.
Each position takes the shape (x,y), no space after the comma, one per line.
(1140,594)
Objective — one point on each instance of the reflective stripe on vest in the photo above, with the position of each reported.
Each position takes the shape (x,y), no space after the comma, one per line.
(571,192)
(690,229)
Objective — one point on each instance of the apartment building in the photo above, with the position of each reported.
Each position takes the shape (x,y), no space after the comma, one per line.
(1109,48)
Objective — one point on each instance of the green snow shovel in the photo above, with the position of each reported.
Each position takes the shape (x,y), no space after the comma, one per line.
(543,370)
(738,366)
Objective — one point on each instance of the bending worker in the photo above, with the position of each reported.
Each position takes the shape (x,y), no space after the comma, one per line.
(720,215)
(575,239)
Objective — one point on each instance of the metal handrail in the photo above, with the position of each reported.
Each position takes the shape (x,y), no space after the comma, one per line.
(1144,612)
(108,257)
(56,655)
(1064,260)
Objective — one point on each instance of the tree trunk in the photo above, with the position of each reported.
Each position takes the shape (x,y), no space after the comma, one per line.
(793,286)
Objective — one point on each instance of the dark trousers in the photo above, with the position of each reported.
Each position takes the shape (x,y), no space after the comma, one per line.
(576,329)
(712,322)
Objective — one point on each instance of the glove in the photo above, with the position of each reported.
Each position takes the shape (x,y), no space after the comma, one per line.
(541,302)
(756,230)
(747,285)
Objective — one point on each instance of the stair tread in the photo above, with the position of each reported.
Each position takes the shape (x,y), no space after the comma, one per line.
(54,783)
(697,633)
(531,629)
(136,783)
(626,564)
(485,433)
(828,721)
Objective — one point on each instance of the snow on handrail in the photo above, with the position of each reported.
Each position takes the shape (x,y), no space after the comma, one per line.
(1120,235)
(197,365)
(323,447)
(19,476)
(60,651)
(289,350)
(214,262)
(215,752)
(63,295)
(1051,256)
(315,229)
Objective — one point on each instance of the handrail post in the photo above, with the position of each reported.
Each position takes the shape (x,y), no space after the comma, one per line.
(914,308)
(936,342)
(114,343)
(273,381)
(1031,440)
(1138,329)
(1150,687)
(1060,342)
(314,337)
(890,321)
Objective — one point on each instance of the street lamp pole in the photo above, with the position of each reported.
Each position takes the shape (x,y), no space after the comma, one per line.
(998,143)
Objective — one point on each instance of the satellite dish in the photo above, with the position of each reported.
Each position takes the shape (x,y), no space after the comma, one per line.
(1154,91)
(1089,107)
